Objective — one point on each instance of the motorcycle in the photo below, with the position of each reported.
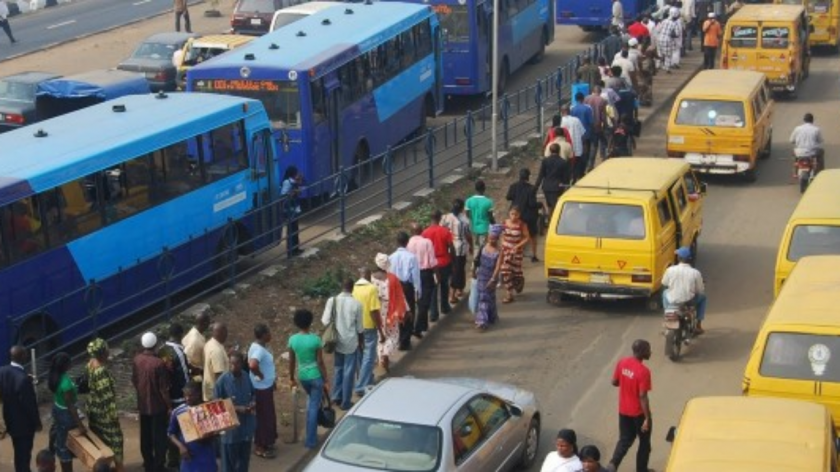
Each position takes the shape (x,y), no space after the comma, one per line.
(806,168)
(680,324)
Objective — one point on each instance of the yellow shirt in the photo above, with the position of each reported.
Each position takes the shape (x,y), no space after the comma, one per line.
(367,294)
(216,363)
(193,344)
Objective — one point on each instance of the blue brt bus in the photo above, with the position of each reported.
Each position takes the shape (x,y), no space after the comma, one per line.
(339,86)
(104,208)
(593,15)
(526,27)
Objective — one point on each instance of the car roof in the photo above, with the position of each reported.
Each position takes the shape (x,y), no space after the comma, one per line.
(307,8)
(30,77)
(389,399)
(170,38)
(750,434)
(809,297)
(820,200)
(637,178)
(767,13)
(723,83)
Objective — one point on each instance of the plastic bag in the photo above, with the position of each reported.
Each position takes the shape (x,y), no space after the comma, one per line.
(473,301)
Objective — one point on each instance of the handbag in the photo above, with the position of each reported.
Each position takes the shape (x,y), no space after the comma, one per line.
(330,334)
(83,382)
(326,414)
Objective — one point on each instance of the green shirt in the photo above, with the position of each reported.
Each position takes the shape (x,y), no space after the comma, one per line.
(65,384)
(479,207)
(305,347)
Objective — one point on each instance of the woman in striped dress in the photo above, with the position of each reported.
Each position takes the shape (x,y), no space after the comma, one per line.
(514,238)
(102,401)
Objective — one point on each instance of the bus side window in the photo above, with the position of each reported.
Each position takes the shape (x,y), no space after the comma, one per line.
(228,154)
(134,195)
(319,110)
(79,215)
(174,174)
(23,230)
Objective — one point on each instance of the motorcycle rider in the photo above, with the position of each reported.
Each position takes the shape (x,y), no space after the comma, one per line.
(684,284)
(808,143)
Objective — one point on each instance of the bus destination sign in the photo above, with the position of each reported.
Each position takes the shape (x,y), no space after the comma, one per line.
(237,85)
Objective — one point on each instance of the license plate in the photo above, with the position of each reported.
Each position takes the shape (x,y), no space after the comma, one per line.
(256,22)
(671,324)
(708,158)
(599,279)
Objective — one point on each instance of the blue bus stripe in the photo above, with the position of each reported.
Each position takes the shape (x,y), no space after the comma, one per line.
(403,89)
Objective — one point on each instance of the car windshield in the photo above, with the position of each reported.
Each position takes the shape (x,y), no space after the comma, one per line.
(17,91)
(455,20)
(196,55)
(802,356)
(281,99)
(384,445)
(256,5)
(602,220)
(814,240)
(156,51)
(714,113)
(286,19)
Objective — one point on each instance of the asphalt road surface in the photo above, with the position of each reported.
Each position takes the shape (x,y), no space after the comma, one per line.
(567,354)
(56,25)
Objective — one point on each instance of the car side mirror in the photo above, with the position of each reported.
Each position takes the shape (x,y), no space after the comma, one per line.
(703,188)
(515,411)
(672,432)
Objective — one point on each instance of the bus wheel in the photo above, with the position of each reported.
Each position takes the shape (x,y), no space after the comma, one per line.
(750,175)
(540,55)
(768,148)
(226,256)
(35,334)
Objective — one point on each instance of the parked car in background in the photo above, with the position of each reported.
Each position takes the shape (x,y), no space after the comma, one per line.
(17,98)
(254,16)
(63,95)
(289,15)
(463,425)
(198,50)
(154,58)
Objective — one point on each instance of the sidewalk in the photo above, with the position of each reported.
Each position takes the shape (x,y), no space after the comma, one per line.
(293,457)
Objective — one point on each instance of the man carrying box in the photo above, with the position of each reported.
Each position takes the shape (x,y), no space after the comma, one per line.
(236,444)
(198,455)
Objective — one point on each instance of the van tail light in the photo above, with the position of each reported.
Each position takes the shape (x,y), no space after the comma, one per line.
(13,118)
(677,154)
(832,30)
(741,158)
(641,278)
(558,273)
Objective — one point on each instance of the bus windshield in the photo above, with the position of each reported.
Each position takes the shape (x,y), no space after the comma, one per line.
(455,20)
(281,98)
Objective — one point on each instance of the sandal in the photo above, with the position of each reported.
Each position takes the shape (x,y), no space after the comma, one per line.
(265,454)
(507,299)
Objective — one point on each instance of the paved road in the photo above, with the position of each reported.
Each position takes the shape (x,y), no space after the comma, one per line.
(66,22)
(567,354)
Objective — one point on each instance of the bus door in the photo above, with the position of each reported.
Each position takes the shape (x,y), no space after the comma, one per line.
(263,175)
(439,98)
(484,45)
(332,88)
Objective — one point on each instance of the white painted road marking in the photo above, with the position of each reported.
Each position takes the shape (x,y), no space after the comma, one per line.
(63,23)
(141,2)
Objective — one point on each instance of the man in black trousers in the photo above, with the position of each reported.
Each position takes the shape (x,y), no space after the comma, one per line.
(20,408)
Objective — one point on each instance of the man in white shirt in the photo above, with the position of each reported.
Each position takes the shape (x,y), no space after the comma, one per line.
(684,284)
(807,141)
(4,21)
(346,312)
(628,68)
(576,132)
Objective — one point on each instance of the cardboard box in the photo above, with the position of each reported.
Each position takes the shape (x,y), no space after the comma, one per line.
(208,419)
(88,448)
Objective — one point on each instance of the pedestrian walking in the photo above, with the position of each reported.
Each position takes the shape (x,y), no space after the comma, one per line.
(565,458)
(263,376)
(647,69)
(633,380)
(667,36)
(65,416)
(462,245)
(346,312)
(585,115)
(554,176)
(151,382)
(393,309)
(4,21)
(622,141)
(577,132)
(523,196)
(101,405)
(442,242)
(588,73)
(235,385)
(479,209)
(486,271)
(307,369)
(180,7)
(172,354)
(194,342)
(198,455)
(559,136)
(712,32)
(406,267)
(20,408)
(514,238)
(590,458)
(290,191)
(215,359)
(598,140)
(366,293)
(424,251)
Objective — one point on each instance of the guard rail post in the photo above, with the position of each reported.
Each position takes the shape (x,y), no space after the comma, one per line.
(538,98)
(559,84)
(506,120)
(342,199)
(388,168)
(430,156)
(468,132)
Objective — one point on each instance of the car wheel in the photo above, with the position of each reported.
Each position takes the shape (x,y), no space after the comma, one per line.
(532,445)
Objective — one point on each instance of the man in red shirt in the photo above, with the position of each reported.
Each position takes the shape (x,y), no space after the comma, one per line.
(638,29)
(441,239)
(632,378)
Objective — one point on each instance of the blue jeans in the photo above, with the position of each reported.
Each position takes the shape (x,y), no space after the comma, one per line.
(236,457)
(699,301)
(62,422)
(344,374)
(368,361)
(315,389)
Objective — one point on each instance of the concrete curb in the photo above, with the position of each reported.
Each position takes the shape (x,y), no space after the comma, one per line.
(94,33)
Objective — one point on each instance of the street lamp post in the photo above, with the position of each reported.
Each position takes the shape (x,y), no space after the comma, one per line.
(494,94)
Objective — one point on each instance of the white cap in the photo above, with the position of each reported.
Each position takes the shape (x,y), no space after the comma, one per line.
(711,14)
(148,340)
(633,42)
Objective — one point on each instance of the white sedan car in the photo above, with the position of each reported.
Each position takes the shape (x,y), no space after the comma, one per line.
(452,424)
